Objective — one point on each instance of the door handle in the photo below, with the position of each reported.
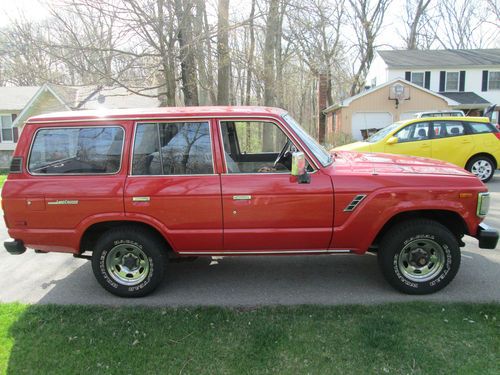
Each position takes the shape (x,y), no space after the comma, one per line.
(141,199)
(241,197)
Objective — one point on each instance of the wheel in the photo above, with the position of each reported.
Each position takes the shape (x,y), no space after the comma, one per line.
(419,256)
(129,261)
(481,166)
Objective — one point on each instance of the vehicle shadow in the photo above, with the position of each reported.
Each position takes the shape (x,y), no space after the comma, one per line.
(260,281)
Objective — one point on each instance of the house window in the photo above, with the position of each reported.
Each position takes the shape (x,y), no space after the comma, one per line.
(417,78)
(7,134)
(452,80)
(494,81)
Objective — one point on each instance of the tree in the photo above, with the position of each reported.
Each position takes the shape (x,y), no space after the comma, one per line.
(415,21)
(367,17)
(223,57)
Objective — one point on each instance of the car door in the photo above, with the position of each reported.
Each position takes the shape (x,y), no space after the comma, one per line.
(413,139)
(173,182)
(265,209)
(451,142)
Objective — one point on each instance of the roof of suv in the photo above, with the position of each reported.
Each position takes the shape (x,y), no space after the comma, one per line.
(159,112)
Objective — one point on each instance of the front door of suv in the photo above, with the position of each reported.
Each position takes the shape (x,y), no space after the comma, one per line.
(172,181)
(265,209)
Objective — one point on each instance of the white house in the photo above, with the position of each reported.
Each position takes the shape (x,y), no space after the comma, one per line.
(469,77)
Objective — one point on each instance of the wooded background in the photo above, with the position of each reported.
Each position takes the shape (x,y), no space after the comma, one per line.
(253,52)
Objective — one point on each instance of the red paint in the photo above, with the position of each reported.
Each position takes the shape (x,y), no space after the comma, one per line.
(198,213)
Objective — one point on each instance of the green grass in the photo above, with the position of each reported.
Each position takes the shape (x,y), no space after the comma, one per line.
(414,338)
(2,180)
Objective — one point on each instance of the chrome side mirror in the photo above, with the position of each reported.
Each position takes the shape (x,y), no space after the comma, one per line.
(299,168)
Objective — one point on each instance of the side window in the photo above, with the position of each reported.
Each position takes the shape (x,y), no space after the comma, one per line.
(413,132)
(85,150)
(481,127)
(172,148)
(445,129)
(255,146)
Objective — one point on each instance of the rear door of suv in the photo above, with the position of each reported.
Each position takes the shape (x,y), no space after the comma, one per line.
(173,182)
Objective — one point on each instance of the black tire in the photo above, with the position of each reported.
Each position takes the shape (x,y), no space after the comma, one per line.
(482,166)
(129,261)
(419,256)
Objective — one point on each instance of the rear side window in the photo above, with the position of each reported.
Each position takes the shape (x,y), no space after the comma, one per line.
(174,148)
(481,127)
(445,129)
(84,150)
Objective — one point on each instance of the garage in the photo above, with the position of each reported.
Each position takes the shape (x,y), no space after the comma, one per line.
(369,120)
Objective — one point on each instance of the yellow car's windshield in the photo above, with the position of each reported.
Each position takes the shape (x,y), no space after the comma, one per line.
(383,132)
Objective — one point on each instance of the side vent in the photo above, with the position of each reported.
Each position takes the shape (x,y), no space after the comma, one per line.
(354,203)
(16,165)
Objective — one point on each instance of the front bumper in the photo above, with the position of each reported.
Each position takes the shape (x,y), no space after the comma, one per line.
(14,247)
(487,236)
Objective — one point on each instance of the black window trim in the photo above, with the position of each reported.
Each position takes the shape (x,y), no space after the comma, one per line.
(76,127)
(173,121)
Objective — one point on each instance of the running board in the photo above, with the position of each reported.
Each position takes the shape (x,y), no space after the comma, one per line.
(267,252)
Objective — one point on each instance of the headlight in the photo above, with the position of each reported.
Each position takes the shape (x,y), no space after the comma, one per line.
(483,204)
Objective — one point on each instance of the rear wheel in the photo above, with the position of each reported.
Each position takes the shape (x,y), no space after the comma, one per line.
(129,262)
(419,256)
(482,167)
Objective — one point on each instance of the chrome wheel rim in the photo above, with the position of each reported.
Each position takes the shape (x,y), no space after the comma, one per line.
(421,260)
(482,169)
(127,264)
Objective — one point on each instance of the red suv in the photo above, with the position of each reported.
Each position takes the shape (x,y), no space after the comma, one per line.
(136,188)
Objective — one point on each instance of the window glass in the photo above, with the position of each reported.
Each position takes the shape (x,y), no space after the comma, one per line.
(451,81)
(87,150)
(6,125)
(481,127)
(174,148)
(494,81)
(417,79)
(448,129)
(254,146)
(414,132)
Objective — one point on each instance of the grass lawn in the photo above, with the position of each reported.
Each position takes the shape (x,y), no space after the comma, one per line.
(414,338)
(3,177)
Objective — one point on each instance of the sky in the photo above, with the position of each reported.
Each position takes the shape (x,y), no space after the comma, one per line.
(30,9)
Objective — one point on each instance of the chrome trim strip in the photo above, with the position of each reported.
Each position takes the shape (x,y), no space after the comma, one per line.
(76,174)
(262,252)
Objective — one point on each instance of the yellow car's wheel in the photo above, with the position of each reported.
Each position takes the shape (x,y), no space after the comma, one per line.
(482,167)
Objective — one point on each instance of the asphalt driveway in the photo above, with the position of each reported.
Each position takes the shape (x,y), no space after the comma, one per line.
(249,281)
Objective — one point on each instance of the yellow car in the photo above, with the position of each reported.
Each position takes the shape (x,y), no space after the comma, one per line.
(469,142)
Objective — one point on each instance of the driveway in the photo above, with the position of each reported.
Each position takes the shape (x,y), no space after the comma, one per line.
(250,281)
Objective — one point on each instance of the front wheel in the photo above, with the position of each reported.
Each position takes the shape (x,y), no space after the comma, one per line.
(129,261)
(482,167)
(419,256)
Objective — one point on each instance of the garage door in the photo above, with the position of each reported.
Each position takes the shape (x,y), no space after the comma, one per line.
(369,120)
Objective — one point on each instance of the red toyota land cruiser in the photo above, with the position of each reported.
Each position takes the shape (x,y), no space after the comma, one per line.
(139,187)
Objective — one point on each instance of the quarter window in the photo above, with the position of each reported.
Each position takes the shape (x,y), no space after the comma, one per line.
(481,127)
(174,148)
(452,79)
(494,81)
(86,150)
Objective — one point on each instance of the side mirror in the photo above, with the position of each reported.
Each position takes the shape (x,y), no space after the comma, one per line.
(392,140)
(299,168)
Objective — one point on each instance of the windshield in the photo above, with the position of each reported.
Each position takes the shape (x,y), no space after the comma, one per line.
(383,132)
(319,151)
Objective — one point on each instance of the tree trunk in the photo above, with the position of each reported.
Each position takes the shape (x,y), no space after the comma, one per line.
(223,62)
(269,74)
(188,62)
